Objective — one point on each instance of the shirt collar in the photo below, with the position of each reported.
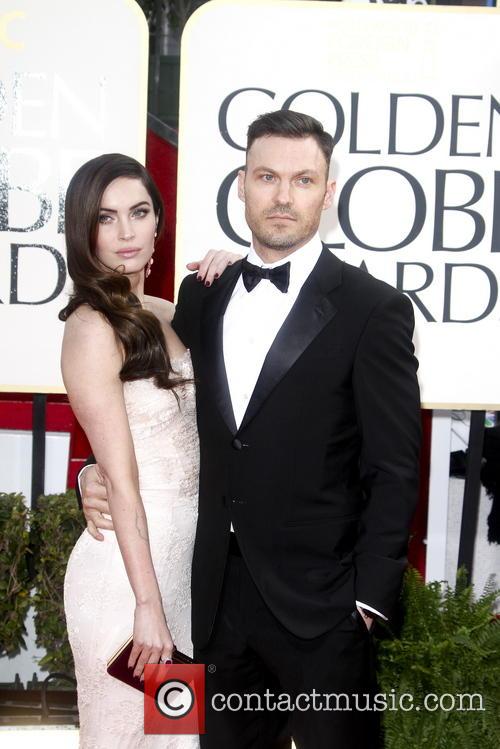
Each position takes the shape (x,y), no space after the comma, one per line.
(301,261)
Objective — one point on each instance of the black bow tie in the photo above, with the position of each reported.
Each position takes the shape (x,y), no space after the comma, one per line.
(252,274)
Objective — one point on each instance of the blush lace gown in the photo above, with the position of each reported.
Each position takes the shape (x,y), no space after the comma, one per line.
(98,599)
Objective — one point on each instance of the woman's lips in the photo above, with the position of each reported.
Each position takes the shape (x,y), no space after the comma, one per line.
(129,252)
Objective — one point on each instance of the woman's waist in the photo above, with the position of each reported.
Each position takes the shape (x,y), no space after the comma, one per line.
(158,457)
(157,501)
(158,485)
(176,428)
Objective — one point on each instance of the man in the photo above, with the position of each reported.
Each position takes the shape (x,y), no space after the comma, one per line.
(308,414)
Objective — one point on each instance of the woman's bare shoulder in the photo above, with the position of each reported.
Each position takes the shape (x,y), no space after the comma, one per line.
(85,319)
(90,354)
(87,332)
(162,308)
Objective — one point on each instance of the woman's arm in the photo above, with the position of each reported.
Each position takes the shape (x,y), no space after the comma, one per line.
(91,362)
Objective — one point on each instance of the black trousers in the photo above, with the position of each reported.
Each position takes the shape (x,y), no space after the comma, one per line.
(263,683)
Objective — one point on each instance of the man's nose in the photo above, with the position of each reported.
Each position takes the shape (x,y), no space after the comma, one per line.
(283,193)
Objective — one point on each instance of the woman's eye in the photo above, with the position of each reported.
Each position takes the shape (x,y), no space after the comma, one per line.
(103,219)
(140,212)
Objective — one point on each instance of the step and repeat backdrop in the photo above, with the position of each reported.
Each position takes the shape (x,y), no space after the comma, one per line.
(73,84)
(411,96)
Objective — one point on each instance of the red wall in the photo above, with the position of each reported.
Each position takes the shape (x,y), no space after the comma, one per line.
(417,548)
(161,161)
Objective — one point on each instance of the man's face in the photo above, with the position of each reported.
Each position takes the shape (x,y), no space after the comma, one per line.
(285,188)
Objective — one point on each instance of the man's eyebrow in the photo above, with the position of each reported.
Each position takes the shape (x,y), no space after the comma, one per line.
(301,173)
(263,169)
(112,210)
(306,171)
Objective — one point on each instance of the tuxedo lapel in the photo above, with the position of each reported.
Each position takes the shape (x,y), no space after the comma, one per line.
(312,310)
(212,342)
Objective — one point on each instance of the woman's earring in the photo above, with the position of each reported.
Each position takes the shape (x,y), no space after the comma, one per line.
(148,267)
(150,262)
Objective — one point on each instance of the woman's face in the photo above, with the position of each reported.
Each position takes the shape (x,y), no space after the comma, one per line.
(126,226)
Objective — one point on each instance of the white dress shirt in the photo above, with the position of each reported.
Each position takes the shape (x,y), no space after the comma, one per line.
(253,319)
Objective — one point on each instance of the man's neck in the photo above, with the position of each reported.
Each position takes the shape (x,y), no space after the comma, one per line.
(268,255)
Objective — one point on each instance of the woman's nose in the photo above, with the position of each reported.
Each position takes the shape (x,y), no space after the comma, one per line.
(126,229)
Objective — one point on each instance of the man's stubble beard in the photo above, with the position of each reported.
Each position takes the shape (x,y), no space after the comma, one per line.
(273,240)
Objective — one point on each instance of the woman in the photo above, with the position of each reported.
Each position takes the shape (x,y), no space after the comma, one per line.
(130,383)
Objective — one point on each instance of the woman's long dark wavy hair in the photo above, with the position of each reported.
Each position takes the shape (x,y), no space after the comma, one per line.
(109,291)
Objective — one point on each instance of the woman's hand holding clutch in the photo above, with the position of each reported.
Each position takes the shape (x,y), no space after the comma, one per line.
(152,638)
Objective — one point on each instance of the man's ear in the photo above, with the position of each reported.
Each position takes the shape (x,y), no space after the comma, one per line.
(241,184)
(329,193)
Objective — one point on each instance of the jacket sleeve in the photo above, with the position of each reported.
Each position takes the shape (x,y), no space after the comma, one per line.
(388,410)
(180,321)
(89,462)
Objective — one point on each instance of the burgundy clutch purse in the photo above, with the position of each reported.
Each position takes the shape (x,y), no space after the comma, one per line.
(118,668)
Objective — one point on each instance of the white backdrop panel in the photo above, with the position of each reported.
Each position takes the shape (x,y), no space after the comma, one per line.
(411,95)
(73,84)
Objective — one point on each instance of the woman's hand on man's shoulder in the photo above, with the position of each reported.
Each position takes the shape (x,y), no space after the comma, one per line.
(213,265)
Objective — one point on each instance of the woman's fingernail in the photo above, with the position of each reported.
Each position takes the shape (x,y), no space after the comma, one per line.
(207,283)
(216,275)
(199,278)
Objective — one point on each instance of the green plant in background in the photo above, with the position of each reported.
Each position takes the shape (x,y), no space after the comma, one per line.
(57,523)
(14,573)
(449,644)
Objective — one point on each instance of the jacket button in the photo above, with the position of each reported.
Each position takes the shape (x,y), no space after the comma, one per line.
(237,444)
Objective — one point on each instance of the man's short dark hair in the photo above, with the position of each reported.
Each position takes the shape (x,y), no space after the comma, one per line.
(288,124)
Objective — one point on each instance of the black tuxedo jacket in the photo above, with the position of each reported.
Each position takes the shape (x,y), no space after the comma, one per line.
(320,480)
